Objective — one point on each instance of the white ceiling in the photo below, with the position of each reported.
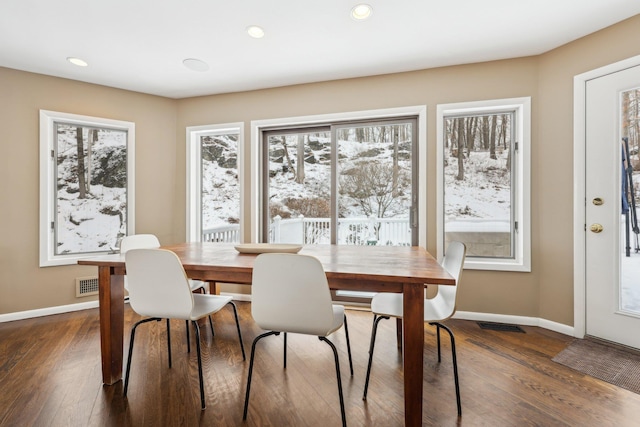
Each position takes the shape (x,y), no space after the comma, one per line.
(139,45)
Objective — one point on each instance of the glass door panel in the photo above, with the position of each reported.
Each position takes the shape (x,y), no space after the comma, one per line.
(376,195)
(630,257)
(220,188)
(298,191)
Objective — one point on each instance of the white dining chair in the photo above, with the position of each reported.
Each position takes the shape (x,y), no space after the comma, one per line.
(290,294)
(159,289)
(436,310)
(150,241)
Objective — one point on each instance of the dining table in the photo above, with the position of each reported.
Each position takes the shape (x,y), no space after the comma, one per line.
(401,269)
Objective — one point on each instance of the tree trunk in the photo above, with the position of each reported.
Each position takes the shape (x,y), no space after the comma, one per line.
(485,132)
(82,183)
(492,138)
(503,130)
(92,140)
(286,155)
(472,127)
(461,138)
(300,165)
(394,135)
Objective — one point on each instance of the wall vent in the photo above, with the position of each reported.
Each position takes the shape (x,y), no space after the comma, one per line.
(86,286)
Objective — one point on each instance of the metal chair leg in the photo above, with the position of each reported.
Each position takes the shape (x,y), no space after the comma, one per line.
(339,377)
(253,352)
(235,313)
(186,322)
(195,326)
(213,333)
(346,331)
(285,350)
(437,325)
(374,331)
(455,361)
(131,341)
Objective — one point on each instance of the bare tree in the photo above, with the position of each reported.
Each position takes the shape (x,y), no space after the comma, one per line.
(82,183)
(460,143)
(300,165)
(503,130)
(283,139)
(372,187)
(492,137)
(394,132)
(471,125)
(93,138)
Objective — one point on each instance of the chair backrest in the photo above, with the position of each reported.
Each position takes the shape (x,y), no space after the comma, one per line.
(453,262)
(290,293)
(158,285)
(138,241)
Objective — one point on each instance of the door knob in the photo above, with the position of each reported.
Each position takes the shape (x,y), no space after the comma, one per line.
(598,201)
(596,228)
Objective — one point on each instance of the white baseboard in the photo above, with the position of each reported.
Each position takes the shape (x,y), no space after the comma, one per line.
(464,315)
(516,320)
(237,297)
(48,311)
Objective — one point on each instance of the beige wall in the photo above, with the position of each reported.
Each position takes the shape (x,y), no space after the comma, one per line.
(553,178)
(23,285)
(487,292)
(546,292)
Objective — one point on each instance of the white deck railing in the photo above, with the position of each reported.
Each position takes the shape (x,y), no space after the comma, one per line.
(312,231)
(226,233)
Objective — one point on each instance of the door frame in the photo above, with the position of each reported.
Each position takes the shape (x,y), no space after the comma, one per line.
(579,191)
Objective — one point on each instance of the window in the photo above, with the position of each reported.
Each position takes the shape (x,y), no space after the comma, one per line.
(214,190)
(350,179)
(484,182)
(86,186)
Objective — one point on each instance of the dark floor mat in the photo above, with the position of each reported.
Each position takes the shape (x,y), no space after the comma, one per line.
(614,364)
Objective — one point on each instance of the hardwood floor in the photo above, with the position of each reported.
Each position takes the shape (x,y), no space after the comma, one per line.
(50,375)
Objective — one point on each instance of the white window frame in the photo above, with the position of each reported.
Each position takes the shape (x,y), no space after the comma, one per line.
(522,179)
(48,180)
(194,171)
(257,126)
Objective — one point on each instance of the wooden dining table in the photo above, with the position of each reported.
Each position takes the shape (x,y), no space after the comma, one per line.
(401,269)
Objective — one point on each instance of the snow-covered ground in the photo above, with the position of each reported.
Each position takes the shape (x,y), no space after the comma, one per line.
(96,222)
(485,192)
(629,274)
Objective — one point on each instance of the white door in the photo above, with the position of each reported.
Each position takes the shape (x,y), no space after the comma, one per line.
(612,271)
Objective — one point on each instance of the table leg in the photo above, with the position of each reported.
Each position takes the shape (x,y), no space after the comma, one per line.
(213,287)
(413,327)
(111,298)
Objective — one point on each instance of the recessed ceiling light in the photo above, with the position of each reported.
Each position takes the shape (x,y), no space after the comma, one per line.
(77,61)
(195,64)
(361,12)
(255,31)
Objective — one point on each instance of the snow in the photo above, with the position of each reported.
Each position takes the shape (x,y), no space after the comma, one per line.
(481,202)
(220,185)
(485,192)
(629,274)
(98,221)
(95,223)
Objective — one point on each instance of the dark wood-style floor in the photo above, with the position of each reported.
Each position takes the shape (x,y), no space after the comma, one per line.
(50,376)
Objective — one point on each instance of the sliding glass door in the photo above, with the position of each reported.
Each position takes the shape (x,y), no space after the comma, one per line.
(343,183)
